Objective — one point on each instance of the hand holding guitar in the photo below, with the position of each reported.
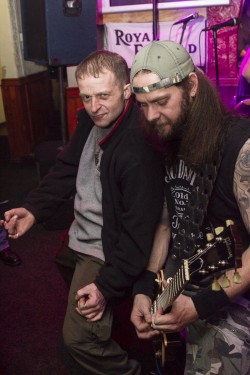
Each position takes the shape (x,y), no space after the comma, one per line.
(181,314)
(141,317)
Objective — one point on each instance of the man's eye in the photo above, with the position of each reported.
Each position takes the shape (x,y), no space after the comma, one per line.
(162,102)
(85,98)
(104,96)
(141,105)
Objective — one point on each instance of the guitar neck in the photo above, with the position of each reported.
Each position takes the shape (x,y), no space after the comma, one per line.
(174,287)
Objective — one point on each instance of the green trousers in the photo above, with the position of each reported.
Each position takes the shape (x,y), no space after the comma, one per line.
(90,344)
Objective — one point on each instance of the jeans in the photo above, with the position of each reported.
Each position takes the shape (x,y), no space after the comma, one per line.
(4,241)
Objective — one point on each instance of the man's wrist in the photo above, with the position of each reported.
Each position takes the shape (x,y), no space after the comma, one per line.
(146,284)
(207,302)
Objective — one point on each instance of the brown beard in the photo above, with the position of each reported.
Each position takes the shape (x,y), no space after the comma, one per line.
(177,127)
(168,143)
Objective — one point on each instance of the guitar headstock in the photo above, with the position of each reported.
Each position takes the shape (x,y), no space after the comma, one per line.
(218,255)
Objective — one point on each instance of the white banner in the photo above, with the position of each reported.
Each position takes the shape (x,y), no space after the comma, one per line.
(127,38)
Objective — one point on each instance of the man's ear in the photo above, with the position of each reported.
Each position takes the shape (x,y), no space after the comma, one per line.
(194,84)
(127,91)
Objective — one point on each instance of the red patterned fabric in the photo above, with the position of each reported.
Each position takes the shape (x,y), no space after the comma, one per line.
(227,39)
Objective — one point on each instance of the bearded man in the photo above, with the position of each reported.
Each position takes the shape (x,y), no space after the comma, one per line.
(206,153)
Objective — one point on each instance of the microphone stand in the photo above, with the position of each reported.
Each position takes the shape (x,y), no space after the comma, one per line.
(64,133)
(183,30)
(155,20)
(216,57)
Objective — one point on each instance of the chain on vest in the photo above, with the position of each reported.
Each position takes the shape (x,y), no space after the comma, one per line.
(190,224)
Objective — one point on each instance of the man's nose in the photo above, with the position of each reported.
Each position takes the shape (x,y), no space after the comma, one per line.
(152,113)
(95,105)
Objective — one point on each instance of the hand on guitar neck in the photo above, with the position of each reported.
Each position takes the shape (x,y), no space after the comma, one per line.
(141,317)
(148,326)
(181,314)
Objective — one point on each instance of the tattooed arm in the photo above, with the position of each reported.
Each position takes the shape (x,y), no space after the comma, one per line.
(242,183)
(242,195)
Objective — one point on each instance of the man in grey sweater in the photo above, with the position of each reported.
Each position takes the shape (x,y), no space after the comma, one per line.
(118,203)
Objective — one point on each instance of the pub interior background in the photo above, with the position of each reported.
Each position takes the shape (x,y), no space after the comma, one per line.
(40,45)
(41,42)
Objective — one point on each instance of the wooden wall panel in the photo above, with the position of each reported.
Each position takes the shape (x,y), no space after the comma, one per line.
(28,107)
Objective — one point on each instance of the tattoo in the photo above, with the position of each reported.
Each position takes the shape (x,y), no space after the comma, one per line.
(242,183)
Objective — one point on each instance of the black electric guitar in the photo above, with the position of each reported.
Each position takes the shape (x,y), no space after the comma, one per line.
(219,254)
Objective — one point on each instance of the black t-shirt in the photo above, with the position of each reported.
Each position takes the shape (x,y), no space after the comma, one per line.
(181,182)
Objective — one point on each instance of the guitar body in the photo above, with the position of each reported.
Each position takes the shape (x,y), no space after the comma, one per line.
(168,349)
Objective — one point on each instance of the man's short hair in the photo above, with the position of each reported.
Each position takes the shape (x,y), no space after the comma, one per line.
(99,61)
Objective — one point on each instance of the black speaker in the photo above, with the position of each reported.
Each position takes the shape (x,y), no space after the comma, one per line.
(58,32)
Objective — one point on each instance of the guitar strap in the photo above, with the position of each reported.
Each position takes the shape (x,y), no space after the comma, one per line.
(184,244)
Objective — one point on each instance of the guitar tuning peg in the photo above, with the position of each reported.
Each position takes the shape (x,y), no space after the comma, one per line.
(225,282)
(215,285)
(237,278)
(218,230)
(209,236)
(229,222)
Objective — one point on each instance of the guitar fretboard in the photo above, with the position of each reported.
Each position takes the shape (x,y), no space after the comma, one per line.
(173,288)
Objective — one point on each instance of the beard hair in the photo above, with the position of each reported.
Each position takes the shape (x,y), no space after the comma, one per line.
(169,143)
(177,127)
